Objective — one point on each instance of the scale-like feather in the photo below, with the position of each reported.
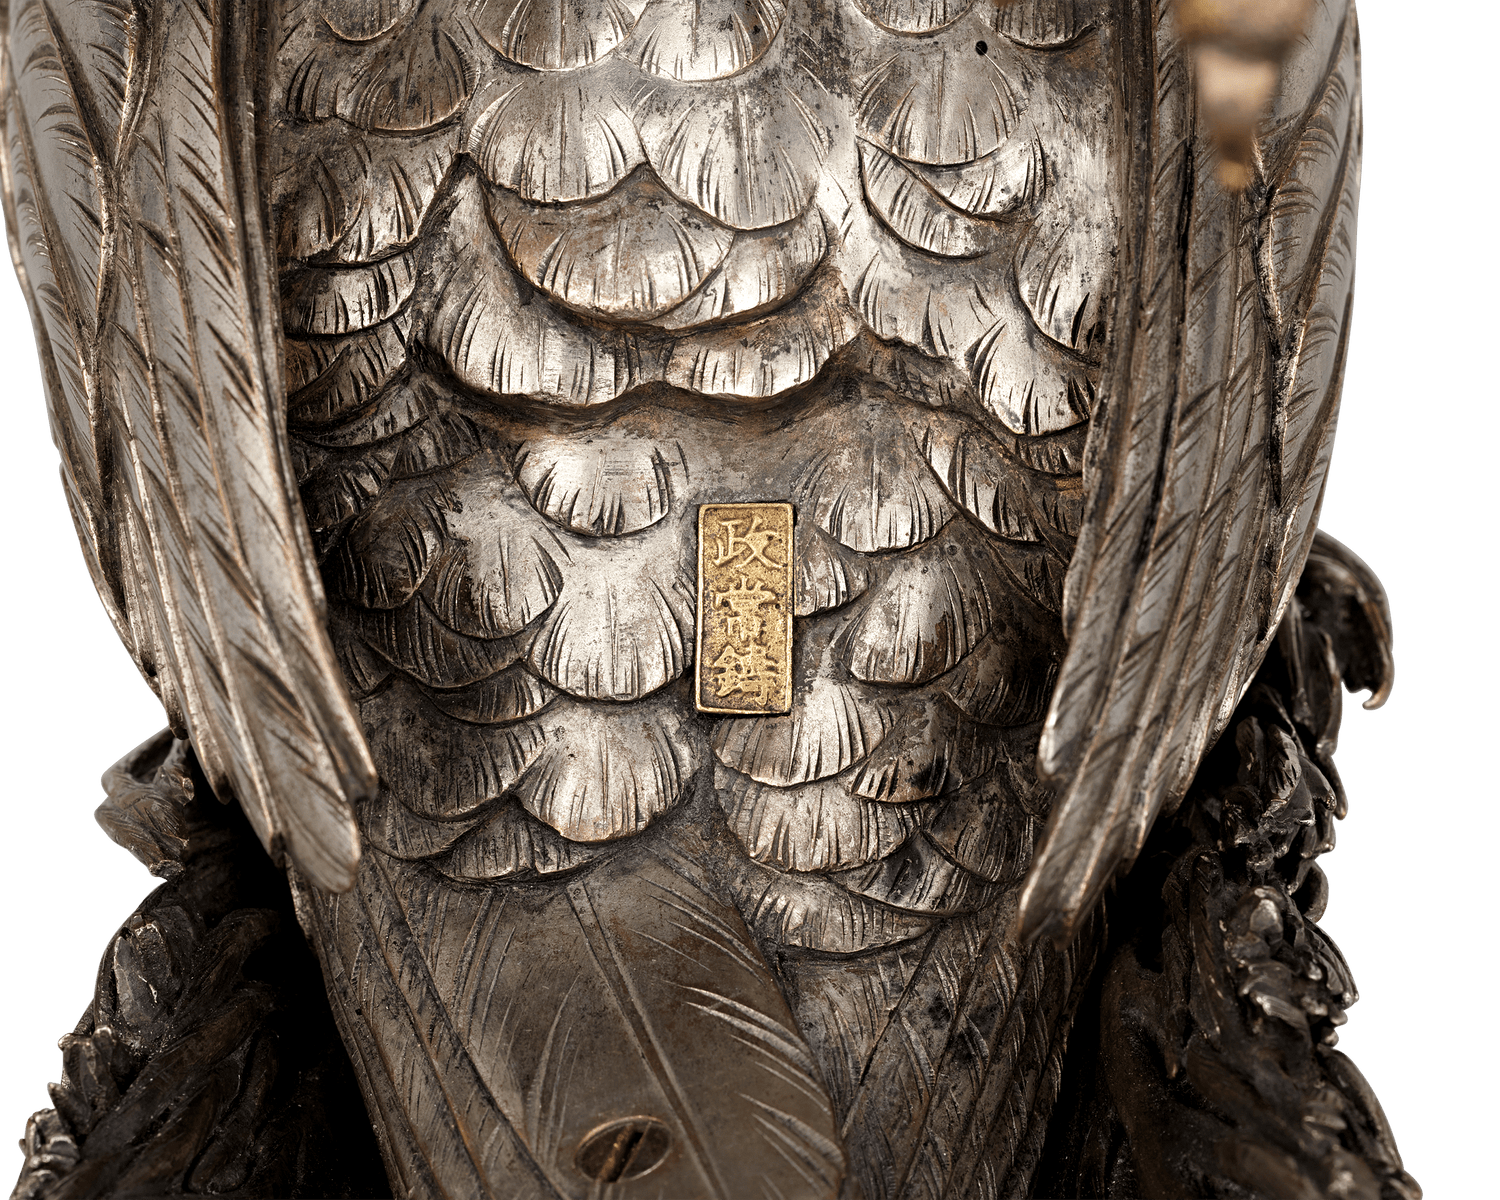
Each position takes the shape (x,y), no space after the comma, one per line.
(1066,262)
(508,695)
(407,403)
(492,342)
(929,612)
(331,378)
(623,624)
(446,770)
(764,358)
(410,79)
(354,196)
(1047,24)
(553,137)
(828,575)
(508,843)
(694,40)
(938,102)
(863,479)
(994,185)
(413,639)
(130,176)
(833,727)
(809,911)
(630,255)
(1205,472)
(502,565)
(335,301)
(555,35)
(915,16)
(1000,493)
(606,484)
(987,831)
(916,878)
(915,213)
(608,771)
(1007,679)
(817,826)
(763,268)
(933,752)
(749,163)
(902,299)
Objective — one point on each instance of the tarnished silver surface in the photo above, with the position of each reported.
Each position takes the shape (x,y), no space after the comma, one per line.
(507,295)
(859,262)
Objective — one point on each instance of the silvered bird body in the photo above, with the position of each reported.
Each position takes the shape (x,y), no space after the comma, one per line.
(395,357)
(632,261)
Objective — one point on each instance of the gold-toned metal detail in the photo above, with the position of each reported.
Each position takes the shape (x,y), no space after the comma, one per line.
(744,609)
(1238,48)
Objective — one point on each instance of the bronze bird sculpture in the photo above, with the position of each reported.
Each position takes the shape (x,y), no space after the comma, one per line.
(705,536)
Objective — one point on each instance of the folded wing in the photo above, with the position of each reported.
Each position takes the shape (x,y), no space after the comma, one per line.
(135,224)
(1208,457)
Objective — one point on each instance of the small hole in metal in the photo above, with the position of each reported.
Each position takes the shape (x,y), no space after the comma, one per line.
(981,48)
(624,1149)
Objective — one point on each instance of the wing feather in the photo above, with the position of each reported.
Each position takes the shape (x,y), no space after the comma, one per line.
(136,229)
(1206,465)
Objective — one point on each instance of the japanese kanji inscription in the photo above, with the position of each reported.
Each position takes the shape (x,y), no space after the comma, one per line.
(394,348)
(744,608)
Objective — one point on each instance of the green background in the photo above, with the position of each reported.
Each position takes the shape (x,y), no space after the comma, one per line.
(1412,903)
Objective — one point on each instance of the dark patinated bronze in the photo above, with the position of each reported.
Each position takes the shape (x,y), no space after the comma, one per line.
(746,574)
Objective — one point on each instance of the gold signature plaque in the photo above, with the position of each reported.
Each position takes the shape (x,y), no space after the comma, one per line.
(744,608)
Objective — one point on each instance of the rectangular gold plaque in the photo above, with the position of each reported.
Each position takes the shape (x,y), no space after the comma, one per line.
(744,608)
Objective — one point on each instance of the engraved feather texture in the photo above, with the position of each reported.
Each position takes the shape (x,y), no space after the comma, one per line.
(875,276)
(627,1030)
(552,275)
(695,260)
(561,553)
(1207,475)
(136,229)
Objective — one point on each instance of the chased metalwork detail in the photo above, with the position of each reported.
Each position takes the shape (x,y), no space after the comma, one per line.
(745,603)
(437,383)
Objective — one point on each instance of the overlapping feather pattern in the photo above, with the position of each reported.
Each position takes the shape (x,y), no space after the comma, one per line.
(134,223)
(1205,474)
(620,261)
(552,275)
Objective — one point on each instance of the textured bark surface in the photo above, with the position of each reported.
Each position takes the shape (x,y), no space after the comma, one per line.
(1200,1063)
(1203,1062)
(208,1063)
(400,353)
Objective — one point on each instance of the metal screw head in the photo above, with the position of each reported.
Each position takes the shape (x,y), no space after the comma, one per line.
(624,1149)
